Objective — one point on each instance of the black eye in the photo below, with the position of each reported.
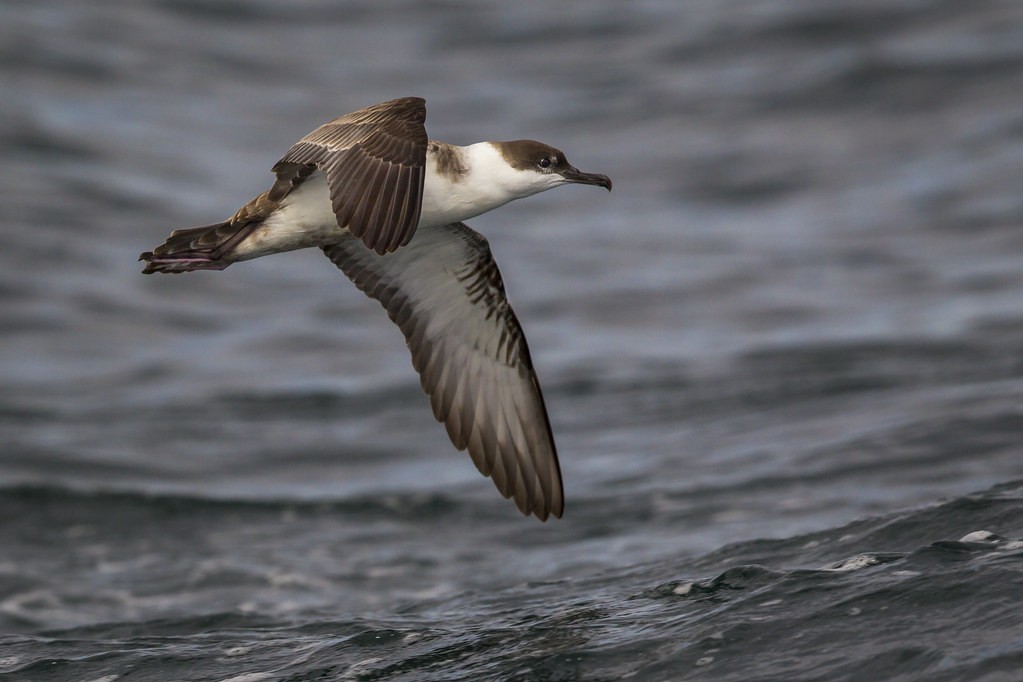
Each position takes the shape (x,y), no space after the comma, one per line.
(544,162)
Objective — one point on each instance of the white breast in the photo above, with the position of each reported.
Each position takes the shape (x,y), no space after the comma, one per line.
(488,182)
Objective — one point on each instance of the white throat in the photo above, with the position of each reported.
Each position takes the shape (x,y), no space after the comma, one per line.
(485,182)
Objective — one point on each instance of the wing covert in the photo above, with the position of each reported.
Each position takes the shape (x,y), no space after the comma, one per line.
(374,160)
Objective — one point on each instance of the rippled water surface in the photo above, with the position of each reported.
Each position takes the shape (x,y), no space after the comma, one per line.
(782,359)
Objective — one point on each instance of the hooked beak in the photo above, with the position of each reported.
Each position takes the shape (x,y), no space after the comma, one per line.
(573,174)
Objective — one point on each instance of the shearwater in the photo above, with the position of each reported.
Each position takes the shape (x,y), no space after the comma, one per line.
(386,204)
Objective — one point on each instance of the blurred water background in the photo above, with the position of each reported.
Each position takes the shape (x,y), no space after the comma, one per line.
(782,359)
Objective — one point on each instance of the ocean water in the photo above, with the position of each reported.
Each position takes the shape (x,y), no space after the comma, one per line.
(782,358)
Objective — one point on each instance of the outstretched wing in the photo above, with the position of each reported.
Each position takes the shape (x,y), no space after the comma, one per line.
(445,293)
(374,161)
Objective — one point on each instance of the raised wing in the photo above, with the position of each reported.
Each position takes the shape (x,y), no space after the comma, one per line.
(374,161)
(445,293)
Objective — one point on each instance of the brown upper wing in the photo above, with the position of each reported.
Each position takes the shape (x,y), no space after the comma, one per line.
(374,160)
(445,293)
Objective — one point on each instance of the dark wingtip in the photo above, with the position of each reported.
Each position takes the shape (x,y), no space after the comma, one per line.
(556,511)
(543,512)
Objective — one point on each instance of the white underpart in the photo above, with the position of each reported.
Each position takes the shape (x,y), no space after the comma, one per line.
(306,219)
(489,182)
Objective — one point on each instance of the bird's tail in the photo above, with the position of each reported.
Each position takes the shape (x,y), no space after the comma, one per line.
(198,248)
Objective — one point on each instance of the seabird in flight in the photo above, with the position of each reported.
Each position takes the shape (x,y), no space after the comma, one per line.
(386,204)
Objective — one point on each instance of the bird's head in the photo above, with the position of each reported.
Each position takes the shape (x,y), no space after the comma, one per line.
(537,167)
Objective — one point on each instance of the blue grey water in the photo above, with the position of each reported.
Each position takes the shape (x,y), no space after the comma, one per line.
(783,359)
